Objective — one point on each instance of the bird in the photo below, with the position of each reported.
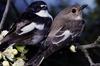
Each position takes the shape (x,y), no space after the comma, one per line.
(66,26)
(68,23)
(31,28)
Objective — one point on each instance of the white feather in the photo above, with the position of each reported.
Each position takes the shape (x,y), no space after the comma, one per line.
(36,39)
(40,27)
(41,61)
(3,33)
(27,28)
(31,27)
(66,34)
(78,18)
(44,13)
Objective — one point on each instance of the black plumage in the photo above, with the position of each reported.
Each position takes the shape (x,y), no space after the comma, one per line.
(31,27)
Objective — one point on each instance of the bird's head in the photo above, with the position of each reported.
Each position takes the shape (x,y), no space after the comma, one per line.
(73,12)
(37,6)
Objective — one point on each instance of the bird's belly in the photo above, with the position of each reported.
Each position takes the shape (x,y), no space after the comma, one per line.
(75,26)
(36,39)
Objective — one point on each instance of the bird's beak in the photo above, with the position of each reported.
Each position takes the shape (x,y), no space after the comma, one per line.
(45,8)
(83,6)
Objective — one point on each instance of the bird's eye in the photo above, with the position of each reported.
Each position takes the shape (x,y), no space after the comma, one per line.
(73,10)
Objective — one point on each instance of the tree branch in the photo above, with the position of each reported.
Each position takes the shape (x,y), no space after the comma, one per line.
(89,58)
(5,14)
(88,46)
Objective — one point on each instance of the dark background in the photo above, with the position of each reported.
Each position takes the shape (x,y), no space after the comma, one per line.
(63,57)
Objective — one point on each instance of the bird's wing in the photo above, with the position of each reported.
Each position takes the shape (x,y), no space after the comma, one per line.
(15,28)
(12,28)
(23,28)
(18,26)
(61,36)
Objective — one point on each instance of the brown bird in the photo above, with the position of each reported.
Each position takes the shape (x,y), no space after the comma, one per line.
(68,23)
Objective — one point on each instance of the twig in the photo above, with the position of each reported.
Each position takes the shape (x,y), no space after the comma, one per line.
(5,14)
(84,50)
(88,46)
(87,56)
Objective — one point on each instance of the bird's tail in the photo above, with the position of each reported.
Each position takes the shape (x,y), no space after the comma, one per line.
(36,61)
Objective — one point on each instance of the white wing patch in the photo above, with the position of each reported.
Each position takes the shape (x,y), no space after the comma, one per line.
(44,13)
(66,34)
(31,27)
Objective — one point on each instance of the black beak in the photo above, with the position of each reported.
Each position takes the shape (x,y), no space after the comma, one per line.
(83,6)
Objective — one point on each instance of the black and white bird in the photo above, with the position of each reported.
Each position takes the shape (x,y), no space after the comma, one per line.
(32,27)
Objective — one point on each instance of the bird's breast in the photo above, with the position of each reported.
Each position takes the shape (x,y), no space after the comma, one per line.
(74,26)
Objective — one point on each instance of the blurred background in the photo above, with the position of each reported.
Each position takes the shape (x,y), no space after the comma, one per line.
(63,57)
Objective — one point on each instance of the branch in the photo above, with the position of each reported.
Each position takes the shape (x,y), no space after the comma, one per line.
(88,46)
(5,14)
(89,58)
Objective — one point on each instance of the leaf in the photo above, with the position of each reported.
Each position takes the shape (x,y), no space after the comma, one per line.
(20,48)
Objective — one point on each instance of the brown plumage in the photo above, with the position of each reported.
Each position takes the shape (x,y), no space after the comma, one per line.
(68,22)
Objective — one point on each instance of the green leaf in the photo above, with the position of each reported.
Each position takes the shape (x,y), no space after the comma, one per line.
(20,48)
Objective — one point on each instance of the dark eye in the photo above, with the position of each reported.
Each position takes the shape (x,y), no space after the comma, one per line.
(73,10)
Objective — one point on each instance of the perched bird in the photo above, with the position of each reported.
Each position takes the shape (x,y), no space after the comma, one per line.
(32,27)
(67,25)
